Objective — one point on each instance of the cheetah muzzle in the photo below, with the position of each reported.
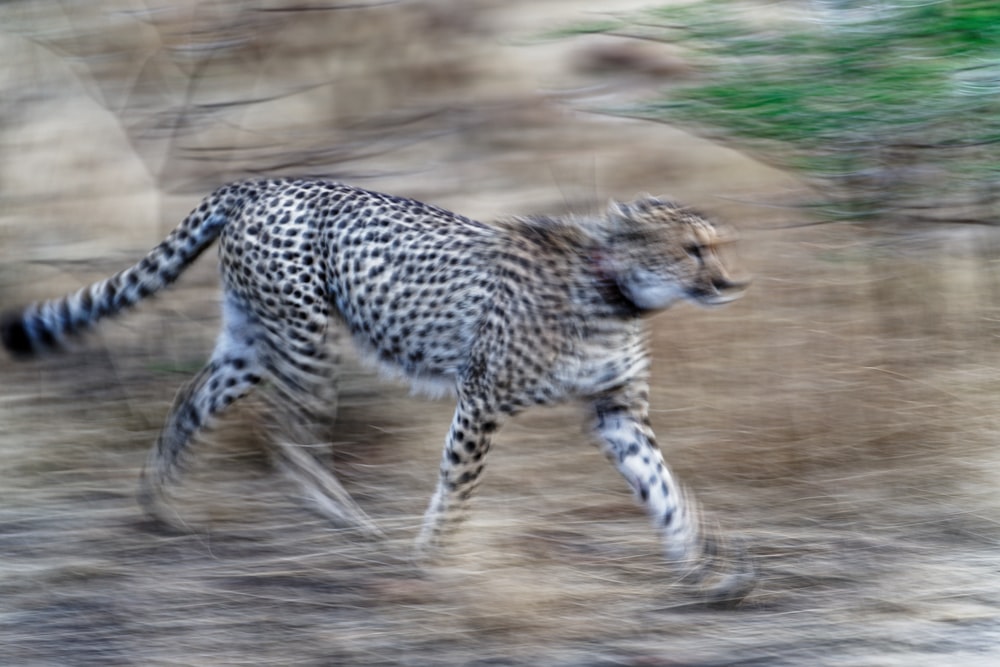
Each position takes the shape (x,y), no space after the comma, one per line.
(503,316)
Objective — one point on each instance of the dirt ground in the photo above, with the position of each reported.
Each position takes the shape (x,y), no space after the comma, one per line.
(840,419)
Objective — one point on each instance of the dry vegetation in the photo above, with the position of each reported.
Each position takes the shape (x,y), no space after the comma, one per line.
(840,419)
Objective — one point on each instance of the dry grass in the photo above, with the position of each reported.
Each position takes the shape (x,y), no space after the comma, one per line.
(840,419)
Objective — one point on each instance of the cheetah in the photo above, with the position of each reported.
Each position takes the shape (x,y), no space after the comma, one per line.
(503,316)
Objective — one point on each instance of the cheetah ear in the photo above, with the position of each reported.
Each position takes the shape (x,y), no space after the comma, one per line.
(619,210)
(627,211)
(648,201)
(620,214)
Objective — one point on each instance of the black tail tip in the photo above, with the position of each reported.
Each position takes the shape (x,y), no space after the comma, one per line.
(14,336)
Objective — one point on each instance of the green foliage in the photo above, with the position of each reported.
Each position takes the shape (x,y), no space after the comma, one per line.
(891,108)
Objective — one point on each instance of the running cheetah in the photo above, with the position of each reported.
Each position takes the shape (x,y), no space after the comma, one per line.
(503,316)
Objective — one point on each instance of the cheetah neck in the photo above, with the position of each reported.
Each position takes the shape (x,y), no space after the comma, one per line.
(607,283)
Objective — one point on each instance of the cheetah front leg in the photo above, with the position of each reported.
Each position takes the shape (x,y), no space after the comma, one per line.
(622,426)
(466,446)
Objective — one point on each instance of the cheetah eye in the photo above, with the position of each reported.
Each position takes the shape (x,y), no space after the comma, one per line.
(693,250)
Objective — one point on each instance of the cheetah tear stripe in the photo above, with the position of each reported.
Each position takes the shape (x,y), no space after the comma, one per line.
(503,316)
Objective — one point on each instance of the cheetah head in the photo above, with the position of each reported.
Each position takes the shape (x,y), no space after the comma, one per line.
(658,252)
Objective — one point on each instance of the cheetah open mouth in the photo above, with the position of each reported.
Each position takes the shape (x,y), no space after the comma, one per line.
(719,298)
(720,293)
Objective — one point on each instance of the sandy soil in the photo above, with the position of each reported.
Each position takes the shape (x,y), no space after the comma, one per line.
(839,419)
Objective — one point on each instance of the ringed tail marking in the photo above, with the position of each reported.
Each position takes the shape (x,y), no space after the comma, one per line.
(44,326)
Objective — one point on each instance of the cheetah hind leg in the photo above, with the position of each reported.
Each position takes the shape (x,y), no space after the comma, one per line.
(227,377)
(322,490)
(236,367)
(302,402)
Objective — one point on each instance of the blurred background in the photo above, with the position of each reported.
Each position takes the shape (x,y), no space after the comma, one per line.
(839,420)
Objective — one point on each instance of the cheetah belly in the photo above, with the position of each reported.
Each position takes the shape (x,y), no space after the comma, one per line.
(420,327)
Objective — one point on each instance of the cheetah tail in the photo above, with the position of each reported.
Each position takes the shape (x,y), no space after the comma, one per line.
(45,326)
